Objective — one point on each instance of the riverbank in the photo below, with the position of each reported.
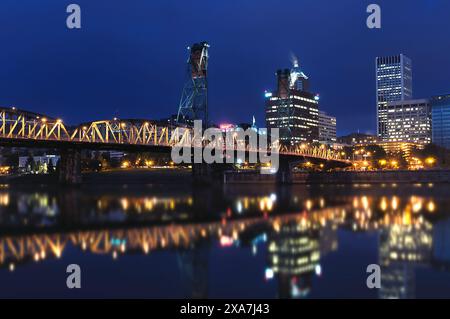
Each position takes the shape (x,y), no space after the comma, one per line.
(109,177)
(183,177)
(345,177)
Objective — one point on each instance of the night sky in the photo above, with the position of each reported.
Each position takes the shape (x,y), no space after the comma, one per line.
(128,60)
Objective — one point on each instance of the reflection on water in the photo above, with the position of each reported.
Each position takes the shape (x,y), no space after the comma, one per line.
(296,241)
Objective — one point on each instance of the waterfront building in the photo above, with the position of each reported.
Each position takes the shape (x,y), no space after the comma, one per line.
(116,155)
(393,83)
(403,149)
(327,128)
(38,163)
(408,121)
(293,109)
(440,115)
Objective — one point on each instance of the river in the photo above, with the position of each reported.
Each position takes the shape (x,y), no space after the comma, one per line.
(170,240)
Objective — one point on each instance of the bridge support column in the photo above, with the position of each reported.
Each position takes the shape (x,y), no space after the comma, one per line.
(70,167)
(285,171)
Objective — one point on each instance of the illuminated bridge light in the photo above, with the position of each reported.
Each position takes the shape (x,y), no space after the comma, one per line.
(431,207)
(106,131)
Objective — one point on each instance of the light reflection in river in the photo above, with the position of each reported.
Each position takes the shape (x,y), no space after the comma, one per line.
(296,229)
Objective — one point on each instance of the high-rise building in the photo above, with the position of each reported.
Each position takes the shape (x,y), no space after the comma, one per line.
(393,83)
(408,121)
(440,115)
(293,109)
(327,128)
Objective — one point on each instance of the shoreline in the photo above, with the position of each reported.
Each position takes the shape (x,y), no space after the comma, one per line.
(183,177)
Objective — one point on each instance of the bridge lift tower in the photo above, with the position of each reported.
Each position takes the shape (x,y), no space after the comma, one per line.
(194,99)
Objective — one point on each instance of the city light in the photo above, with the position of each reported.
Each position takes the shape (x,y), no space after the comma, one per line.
(225,126)
(318,270)
(269,274)
(431,207)
(226,241)
(430,161)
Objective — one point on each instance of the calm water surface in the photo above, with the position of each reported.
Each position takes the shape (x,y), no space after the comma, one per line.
(156,241)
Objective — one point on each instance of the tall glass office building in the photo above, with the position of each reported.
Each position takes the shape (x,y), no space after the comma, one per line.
(393,83)
(440,115)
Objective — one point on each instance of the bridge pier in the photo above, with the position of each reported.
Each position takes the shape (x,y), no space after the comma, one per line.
(70,167)
(285,173)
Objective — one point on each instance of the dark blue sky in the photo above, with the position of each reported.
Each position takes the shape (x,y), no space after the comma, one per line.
(128,60)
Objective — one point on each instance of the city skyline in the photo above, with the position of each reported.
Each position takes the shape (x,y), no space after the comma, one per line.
(125,74)
(224,150)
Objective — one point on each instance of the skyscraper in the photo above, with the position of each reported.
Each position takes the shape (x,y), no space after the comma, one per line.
(440,114)
(327,128)
(293,109)
(393,83)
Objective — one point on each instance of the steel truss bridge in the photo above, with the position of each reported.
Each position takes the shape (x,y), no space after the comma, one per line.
(23,128)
